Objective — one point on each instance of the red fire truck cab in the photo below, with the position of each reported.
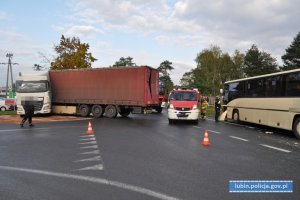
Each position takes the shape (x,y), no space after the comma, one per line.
(184,104)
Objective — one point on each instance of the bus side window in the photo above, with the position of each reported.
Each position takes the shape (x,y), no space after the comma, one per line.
(273,86)
(293,85)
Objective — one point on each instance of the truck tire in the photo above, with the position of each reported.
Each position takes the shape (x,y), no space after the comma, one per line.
(296,128)
(124,112)
(3,109)
(158,109)
(111,111)
(97,111)
(84,110)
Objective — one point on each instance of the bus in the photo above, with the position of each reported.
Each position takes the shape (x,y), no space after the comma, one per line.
(271,100)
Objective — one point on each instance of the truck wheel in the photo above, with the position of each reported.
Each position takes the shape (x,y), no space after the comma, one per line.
(296,128)
(236,116)
(158,109)
(97,111)
(3,109)
(111,111)
(171,121)
(124,112)
(84,110)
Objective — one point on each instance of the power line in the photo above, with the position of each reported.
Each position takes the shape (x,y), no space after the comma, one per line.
(9,71)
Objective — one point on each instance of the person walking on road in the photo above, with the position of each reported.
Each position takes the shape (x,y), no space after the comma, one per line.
(29,112)
(217,108)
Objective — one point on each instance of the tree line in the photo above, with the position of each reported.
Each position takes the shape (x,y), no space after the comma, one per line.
(214,68)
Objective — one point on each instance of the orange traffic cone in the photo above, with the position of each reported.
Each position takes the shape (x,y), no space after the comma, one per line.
(205,139)
(90,129)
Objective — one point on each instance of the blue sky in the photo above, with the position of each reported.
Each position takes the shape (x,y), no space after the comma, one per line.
(149,31)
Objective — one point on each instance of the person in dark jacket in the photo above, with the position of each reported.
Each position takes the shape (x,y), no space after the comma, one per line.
(29,112)
(217,108)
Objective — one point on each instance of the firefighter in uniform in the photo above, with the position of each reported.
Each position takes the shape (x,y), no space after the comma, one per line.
(204,106)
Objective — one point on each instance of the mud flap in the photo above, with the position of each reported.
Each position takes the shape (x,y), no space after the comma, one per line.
(223,116)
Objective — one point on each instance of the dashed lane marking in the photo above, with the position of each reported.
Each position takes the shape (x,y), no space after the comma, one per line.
(91,142)
(217,132)
(90,147)
(102,181)
(238,138)
(91,152)
(95,158)
(276,148)
(94,167)
(88,139)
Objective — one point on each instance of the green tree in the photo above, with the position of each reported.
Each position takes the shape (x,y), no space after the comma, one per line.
(259,62)
(214,68)
(164,77)
(72,54)
(291,58)
(124,62)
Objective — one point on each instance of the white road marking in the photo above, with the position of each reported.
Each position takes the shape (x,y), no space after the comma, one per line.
(94,180)
(238,138)
(88,139)
(35,128)
(94,167)
(199,127)
(96,158)
(239,125)
(87,136)
(276,148)
(91,152)
(90,147)
(213,131)
(91,142)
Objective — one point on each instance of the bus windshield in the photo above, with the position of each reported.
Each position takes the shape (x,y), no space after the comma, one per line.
(31,86)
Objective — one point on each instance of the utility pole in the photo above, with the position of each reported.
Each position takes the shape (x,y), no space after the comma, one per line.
(9,71)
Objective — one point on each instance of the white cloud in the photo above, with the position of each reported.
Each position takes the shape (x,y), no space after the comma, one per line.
(81,30)
(11,36)
(3,15)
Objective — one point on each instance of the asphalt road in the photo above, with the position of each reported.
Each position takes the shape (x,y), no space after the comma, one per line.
(143,157)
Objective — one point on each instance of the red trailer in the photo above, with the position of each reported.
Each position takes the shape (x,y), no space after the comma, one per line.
(106,91)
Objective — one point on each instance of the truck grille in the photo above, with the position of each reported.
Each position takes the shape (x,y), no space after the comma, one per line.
(38,105)
(182,109)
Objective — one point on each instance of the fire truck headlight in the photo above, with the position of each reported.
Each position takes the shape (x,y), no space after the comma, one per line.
(195,107)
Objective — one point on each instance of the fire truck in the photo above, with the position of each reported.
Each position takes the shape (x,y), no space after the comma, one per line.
(184,104)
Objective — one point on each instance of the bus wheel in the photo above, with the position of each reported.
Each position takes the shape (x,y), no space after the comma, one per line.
(84,110)
(296,128)
(236,116)
(111,111)
(97,111)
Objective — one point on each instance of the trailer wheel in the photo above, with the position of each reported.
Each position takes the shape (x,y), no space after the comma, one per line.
(97,111)
(158,109)
(84,110)
(296,128)
(111,111)
(124,112)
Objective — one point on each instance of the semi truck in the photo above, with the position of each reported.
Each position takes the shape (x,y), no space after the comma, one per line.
(97,91)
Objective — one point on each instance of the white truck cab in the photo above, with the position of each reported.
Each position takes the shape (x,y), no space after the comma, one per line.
(35,88)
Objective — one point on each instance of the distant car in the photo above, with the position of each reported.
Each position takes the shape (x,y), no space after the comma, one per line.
(3,105)
(10,102)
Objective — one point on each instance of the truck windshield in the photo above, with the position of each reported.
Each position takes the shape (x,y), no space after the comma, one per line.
(183,96)
(32,86)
